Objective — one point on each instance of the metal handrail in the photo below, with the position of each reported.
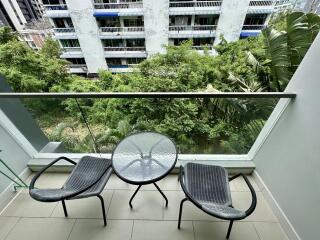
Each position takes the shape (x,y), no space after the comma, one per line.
(121,5)
(71,49)
(121,29)
(196,4)
(203,47)
(124,48)
(260,3)
(193,28)
(55,7)
(64,30)
(253,27)
(150,95)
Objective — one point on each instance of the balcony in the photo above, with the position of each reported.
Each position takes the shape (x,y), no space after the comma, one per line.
(121,32)
(129,52)
(65,33)
(55,11)
(194,7)
(261,6)
(78,68)
(118,9)
(186,31)
(71,52)
(251,30)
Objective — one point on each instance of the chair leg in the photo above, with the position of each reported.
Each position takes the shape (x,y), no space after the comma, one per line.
(64,208)
(103,210)
(180,211)
(229,229)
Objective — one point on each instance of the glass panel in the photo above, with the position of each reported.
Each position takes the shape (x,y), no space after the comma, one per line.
(197,126)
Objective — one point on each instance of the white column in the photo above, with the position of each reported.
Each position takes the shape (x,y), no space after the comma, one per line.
(13,16)
(156,25)
(233,14)
(87,32)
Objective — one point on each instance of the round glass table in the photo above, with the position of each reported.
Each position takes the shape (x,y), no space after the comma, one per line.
(144,158)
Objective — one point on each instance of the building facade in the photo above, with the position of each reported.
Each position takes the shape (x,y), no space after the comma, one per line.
(116,34)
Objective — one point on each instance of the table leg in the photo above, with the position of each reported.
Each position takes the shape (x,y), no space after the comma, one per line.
(134,195)
(164,196)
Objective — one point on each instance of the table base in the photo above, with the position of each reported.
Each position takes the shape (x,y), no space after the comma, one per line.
(163,195)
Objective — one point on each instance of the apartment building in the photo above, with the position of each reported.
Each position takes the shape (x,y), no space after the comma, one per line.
(116,34)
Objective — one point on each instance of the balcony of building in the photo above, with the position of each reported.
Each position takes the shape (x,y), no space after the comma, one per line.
(118,8)
(261,6)
(124,48)
(121,27)
(77,65)
(55,8)
(194,7)
(122,65)
(192,26)
(201,45)
(63,28)
(253,24)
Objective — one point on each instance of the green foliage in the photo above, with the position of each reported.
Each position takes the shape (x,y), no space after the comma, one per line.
(263,63)
(6,35)
(51,48)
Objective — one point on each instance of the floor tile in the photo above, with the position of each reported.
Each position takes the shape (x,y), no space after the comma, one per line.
(161,230)
(218,231)
(190,212)
(25,206)
(93,229)
(115,183)
(50,180)
(267,231)
(41,228)
(146,205)
(263,212)
(169,183)
(6,224)
(85,207)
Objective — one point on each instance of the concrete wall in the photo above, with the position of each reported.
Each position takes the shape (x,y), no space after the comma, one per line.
(14,19)
(156,24)
(289,160)
(233,13)
(88,34)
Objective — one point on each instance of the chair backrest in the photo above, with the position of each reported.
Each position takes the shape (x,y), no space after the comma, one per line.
(87,172)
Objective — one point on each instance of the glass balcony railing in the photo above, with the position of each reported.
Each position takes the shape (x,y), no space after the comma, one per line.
(199,123)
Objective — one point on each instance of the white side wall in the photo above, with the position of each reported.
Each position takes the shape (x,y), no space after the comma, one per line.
(233,13)
(156,24)
(13,15)
(88,34)
(16,152)
(289,160)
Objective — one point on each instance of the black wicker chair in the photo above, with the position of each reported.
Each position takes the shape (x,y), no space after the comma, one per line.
(87,179)
(207,187)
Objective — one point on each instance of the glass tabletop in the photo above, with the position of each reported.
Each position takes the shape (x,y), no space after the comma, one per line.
(144,157)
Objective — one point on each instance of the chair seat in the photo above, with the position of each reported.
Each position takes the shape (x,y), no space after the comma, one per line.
(90,171)
(208,186)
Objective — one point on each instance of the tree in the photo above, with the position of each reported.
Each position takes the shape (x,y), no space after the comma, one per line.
(51,48)
(6,35)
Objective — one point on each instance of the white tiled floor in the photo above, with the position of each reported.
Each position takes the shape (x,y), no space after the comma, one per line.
(25,219)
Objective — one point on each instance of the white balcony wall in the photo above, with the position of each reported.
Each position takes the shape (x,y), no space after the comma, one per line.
(156,25)
(233,13)
(88,34)
(288,161)
(16,152)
